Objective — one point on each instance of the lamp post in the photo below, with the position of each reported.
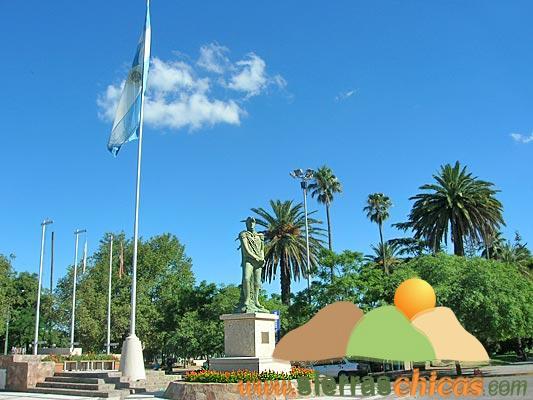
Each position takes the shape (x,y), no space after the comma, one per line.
(38,306)
(77,233)
(304,177)
(108,343)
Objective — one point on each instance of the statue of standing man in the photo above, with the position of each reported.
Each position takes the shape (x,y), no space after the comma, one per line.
(253,261)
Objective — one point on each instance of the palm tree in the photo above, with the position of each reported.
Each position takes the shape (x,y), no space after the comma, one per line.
(457,201)
(389,252)
(324,187)
(493,246)
(285,243)
(377,210)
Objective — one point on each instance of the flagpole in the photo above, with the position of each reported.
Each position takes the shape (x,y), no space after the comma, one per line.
(74,284)
(132,366)
(108,344)
(136,226)
(38,306)
(124,130)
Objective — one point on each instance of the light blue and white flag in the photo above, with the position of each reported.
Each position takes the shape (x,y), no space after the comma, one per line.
(129,114)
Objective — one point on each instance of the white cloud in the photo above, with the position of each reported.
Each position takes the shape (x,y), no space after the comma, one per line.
(518,137)
(174,76)
(252,78)
(178,97)
(194,110)
(107,102)
(345,95)
(213,58)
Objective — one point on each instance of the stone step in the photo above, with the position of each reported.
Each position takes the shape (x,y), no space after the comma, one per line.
(78,386)
(82,393)
(69,379)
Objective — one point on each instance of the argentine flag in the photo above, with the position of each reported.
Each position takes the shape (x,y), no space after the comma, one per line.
(128,117)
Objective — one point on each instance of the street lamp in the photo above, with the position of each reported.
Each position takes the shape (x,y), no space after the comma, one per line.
(38,306)
(77,233)
(304,177)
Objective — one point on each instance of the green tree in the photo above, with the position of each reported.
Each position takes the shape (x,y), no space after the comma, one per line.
(285,243)
(164,276)
(377,210)
(458,202)
(324,187)
(5,290)
(491,299)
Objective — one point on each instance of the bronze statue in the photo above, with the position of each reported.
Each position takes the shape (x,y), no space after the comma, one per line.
(253,261)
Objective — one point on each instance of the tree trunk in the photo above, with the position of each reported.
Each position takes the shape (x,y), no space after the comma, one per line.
(458,245)
(520,352)
(285,281)
(330,243)
(458,368)
(383,255)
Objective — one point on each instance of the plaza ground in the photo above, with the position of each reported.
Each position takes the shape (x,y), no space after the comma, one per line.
(514,372)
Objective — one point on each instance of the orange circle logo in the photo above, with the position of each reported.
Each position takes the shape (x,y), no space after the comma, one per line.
(414,295)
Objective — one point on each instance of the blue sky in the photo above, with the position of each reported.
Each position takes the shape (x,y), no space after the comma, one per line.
(384,92)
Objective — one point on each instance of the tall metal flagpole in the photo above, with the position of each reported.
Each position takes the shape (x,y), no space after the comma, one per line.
(136,225)
(108,343)
(38,307)
(132,361)
(52,263)
(74,284)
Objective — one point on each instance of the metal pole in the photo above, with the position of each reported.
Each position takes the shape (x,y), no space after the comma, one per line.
(37,310)
(74,283)
(108,344)
(304,188)
(136,224)
(7,333)
(52,262)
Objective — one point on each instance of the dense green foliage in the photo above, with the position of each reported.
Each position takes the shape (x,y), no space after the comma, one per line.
(493,300)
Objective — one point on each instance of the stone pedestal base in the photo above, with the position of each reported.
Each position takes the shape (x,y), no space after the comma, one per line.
(257,364)
(131,360)
(249,341)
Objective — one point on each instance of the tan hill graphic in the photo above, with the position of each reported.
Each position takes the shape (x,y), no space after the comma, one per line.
(449,339)
(323,337)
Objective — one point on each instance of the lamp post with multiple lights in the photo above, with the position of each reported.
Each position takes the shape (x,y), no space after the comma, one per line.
(77,233)
(304,177)
(38,306)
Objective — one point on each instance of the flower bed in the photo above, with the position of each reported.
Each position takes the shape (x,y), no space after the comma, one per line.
(207,376)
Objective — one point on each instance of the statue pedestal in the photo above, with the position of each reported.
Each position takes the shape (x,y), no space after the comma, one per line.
(249,341)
